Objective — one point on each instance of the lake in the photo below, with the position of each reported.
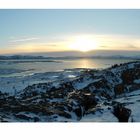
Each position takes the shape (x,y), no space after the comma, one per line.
(28,67)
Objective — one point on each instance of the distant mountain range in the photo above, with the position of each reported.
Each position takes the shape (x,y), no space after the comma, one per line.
(16,57)
(95,53)
(21,57)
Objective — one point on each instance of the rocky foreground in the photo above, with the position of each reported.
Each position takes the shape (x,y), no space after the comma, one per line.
(112,94)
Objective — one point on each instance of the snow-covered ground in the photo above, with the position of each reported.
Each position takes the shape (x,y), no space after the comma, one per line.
(14,84)
(132,101)
(100,116)
(104,114)
(84,95)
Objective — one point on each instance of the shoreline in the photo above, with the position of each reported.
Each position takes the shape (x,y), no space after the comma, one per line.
(88,95)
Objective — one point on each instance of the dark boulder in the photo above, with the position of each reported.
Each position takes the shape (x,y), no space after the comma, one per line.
(36,119)
(78,112)
(81,102)
(127,77)
(89,101)
(119,89)
(121,112)
(22,116)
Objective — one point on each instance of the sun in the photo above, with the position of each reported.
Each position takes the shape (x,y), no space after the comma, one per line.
(83,44)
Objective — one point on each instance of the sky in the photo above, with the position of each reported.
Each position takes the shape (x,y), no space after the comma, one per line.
(27,31)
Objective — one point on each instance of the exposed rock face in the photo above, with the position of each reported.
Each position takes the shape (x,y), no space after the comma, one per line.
(81,102)
(128,77)
(77,103)
(22,116)
(121,112)
(74,98)
(119,89)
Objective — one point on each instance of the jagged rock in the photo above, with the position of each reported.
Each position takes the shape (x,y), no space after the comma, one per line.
(78,112)
(127,77)
(100,84)
(115,66)
(22,116)
(65,99)
(121,112)
(62,113)
(119,89)
(82,102)
(36,119)
(89,101)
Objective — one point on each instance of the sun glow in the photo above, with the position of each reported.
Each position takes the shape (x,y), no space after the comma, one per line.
(84,44)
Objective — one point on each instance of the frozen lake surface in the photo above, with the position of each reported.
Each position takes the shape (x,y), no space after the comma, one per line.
(10,68)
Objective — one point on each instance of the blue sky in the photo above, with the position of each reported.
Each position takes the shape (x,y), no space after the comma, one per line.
(44,29)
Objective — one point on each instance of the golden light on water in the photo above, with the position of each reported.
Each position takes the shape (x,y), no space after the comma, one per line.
(83,44)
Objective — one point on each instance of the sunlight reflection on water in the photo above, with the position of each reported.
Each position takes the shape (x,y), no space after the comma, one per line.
(39,67)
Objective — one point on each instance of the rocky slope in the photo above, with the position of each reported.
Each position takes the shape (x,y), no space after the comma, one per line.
(93,95)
